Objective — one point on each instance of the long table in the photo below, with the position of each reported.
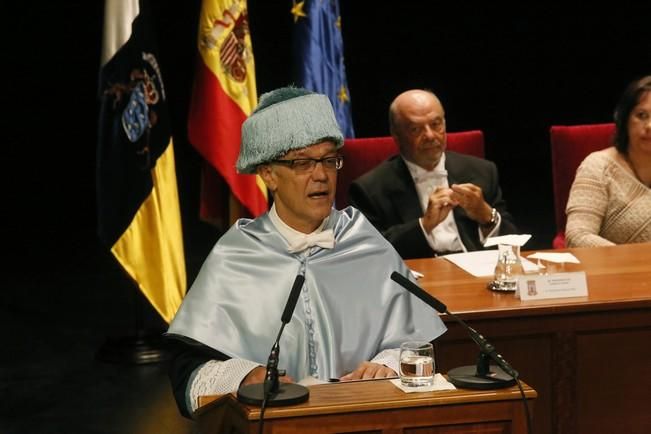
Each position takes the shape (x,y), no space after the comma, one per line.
(589,358)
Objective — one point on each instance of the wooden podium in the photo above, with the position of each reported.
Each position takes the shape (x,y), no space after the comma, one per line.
(374,407)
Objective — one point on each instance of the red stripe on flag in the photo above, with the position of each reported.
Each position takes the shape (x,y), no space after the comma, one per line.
(229,50)
(214,128)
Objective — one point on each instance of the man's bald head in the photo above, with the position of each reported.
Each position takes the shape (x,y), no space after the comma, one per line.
(417,123)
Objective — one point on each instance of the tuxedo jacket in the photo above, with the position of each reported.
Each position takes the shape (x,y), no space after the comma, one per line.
(387,196)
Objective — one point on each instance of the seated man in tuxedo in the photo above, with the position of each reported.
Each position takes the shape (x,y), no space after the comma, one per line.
(350,317)
(427,201)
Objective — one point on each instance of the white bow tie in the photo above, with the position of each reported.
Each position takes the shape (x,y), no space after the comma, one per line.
(325,239)
(434,174)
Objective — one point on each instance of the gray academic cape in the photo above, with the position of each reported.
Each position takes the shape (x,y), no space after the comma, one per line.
(348,311)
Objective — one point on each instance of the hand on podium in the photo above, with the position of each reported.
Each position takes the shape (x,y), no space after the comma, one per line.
(257,375)
(368,370)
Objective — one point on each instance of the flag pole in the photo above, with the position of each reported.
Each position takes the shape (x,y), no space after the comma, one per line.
(139,347)
(139,217)
(142,347)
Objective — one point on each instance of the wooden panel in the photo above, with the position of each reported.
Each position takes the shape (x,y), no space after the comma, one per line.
(486,418)
(615,366)
(530,355)
(465,428)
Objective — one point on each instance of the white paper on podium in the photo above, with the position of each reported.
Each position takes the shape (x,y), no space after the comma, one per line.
(559,258)
(482,263)
(311,381)
(511,240)
(440,383)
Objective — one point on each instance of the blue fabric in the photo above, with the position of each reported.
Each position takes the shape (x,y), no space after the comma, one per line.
(349,309)
(319,57)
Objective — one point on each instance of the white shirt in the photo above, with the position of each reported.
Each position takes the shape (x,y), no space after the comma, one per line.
(445,236)
(298,241)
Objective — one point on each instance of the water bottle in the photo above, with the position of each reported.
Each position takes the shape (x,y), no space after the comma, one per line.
(508,268)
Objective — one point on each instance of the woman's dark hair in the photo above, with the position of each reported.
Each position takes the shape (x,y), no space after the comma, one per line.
(629,99)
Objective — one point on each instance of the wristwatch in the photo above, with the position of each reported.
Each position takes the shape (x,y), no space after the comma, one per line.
(493,219)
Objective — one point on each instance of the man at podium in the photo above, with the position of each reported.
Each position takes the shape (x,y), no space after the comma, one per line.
(350,317)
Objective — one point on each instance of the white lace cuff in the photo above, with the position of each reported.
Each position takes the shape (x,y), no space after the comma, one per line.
(389,358)
(216,377)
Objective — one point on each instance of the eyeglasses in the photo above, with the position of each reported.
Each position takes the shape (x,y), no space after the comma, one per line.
(305,165)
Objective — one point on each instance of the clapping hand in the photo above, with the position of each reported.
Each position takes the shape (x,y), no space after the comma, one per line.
(441,202)
(471,198)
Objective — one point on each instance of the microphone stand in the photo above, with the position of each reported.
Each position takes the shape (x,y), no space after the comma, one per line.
(480,376)
(272,392)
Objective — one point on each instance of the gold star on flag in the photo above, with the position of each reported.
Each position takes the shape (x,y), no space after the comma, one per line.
(297,10)
(338,22)
(343,95)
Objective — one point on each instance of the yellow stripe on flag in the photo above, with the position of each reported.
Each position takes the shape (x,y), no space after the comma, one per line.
(151,249)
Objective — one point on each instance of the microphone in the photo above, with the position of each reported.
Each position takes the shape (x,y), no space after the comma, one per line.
(419,292)
(292,299)
(272,392)
(471,377)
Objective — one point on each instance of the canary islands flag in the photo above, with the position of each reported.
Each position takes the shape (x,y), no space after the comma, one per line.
(137,200)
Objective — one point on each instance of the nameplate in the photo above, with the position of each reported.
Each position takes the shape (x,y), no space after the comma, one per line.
(557,285)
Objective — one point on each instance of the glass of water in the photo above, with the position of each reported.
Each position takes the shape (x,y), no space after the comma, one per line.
(416,363)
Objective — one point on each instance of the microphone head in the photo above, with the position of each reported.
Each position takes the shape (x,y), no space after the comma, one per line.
(292,299)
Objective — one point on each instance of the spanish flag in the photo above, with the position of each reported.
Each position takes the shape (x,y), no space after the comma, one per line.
(137,201)
(223,96)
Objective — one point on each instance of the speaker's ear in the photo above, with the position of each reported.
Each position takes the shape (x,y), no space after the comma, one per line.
(265,172)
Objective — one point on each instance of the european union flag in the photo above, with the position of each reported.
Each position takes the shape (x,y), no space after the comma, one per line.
(319,55)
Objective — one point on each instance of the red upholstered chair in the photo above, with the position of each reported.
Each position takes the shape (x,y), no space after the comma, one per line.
(570,145)
(363,154)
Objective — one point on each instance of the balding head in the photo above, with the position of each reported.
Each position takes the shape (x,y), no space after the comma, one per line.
(408,101)
(417,123)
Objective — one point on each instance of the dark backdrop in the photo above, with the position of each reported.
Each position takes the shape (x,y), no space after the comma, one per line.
(511,72)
